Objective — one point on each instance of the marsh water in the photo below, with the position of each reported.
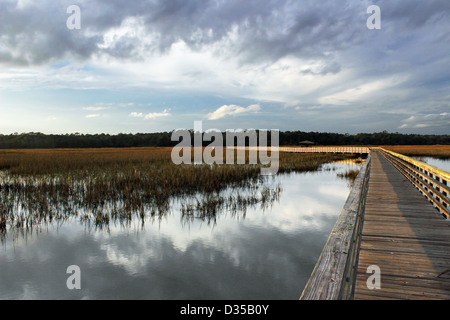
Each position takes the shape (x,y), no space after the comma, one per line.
(260,253)
(443,164)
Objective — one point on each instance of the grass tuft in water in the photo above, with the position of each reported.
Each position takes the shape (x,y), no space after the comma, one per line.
(100,187)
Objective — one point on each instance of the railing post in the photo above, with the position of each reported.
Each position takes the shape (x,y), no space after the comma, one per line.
(429,180)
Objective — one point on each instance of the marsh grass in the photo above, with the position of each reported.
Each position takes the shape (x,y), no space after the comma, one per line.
(103,186)
(206,207)
(435,151)
(349,175)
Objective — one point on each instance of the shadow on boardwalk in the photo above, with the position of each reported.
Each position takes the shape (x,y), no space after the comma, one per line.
(405,236)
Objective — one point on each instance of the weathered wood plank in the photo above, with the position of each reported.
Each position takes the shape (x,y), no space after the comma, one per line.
(405,236)
(329,277)
(402,234)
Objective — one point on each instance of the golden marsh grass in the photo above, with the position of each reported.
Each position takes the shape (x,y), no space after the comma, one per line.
(100,186)
(436,151)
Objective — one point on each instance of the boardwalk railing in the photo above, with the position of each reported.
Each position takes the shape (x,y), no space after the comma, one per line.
(360,150)
(432,182)
(326,149)
(333,277)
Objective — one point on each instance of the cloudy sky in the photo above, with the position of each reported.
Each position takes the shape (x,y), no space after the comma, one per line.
(159,65)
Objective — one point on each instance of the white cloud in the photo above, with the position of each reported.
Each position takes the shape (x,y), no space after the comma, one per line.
(426,121)
(90,116)
(155,115)
(282,51)
(227,110)
(150,116)
(106,106)
(362,92)
(96,108)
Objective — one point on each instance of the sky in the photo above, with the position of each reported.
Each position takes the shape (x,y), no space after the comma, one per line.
(160,65)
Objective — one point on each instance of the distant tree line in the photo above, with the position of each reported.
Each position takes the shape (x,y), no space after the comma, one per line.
(35,140)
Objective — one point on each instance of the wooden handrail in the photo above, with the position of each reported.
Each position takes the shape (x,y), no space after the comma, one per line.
(333,277)
(335,271)
(309,149)
(325,149)
(431,182)
(444,175)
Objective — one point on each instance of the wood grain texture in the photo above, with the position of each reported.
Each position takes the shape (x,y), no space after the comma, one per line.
(405,236)
(329,276)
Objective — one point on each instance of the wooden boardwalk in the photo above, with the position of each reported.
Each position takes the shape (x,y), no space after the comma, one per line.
(405,236)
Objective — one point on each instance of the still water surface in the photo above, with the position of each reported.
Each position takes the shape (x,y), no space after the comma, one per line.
(262,254)
(438,163)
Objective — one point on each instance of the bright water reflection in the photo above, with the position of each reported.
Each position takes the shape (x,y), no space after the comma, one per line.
(264,254)
(438,163)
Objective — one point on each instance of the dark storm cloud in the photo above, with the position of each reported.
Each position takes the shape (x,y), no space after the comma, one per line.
(332,67)
(337,52)
(36,31)
(415,13)
(265,30)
